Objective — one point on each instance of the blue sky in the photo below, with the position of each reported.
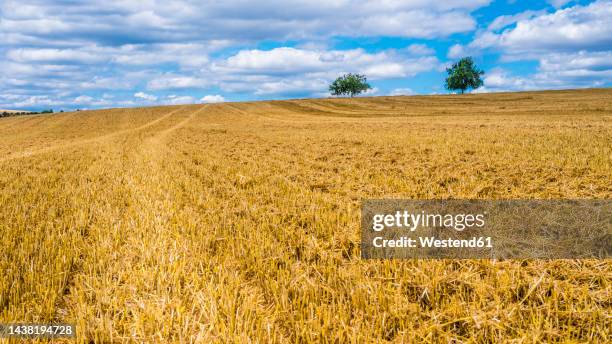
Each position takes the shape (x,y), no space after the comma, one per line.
(67,54)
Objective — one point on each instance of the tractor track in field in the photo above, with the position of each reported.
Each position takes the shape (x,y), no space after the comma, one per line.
(296,118)
(164,133)
(145,158)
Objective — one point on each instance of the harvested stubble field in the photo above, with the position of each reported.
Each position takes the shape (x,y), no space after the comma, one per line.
(239,222)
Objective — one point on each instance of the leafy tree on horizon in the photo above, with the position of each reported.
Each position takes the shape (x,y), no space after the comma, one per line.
(349,84)
(463,75)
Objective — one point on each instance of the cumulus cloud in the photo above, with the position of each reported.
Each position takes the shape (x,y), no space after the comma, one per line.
(507,20)
(558,3)
(286,60)
(175,81)
(573,47)
(290,87)
(455,51)
(395,24)
(178,100)
(556,71)
(279,60)
(181,20)
(30,101)
(419,50)
(83,99)
(145,96)
(402,92)
(212,98)
(86,101)
(570,29)
(370,92)
(53,56)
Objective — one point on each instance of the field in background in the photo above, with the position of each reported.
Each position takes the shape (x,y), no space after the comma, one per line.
(240,221)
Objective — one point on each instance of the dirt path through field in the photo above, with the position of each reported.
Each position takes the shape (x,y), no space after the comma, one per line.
(124,249)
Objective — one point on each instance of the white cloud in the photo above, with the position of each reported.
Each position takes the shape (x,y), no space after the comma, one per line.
(63,100)
(31,101)
(420,50)
(598,62)
(178,100)
(53,55)
(83,99)
(38,26)
(187,55)
(557,71)
(558,3)
(498,80)
(286,60)
(506,20)
(402,92)
(371,92)
(282,59)
(570,29)
(173,81)
(212,98)
(395,24)
(87,101)
(181,20)
(288,87)
(145,96)
(126,81)
(573,47)
(456,51)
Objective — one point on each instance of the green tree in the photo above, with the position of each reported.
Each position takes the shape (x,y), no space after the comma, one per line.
(463,75)
(349,84)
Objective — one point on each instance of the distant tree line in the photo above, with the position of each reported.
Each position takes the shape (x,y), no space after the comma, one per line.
(21,113)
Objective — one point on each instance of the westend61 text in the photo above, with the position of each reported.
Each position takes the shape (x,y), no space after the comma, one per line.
(432,242)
